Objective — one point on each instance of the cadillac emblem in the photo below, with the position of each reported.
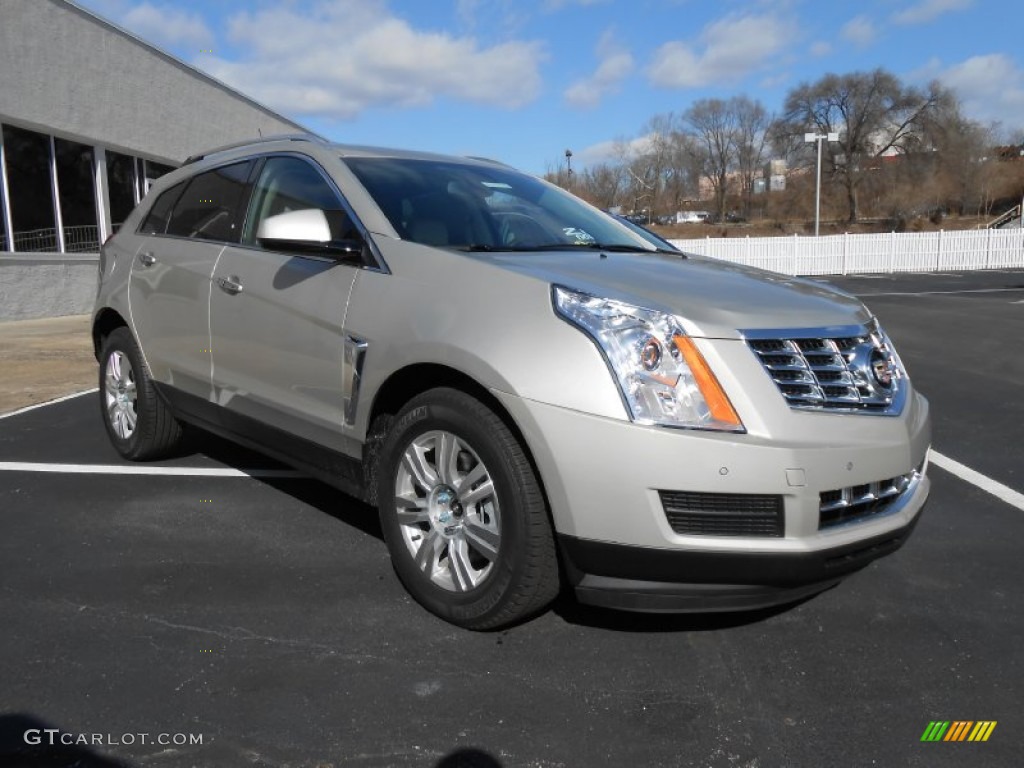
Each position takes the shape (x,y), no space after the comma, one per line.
(882,368)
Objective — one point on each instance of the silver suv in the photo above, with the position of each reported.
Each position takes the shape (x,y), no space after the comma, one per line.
(530,392)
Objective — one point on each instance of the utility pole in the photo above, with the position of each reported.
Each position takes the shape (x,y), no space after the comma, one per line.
(819,138)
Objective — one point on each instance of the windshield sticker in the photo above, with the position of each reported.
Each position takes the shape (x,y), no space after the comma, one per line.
(496,185)
(581,237)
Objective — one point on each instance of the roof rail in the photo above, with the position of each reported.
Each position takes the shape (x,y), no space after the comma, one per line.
(277,137)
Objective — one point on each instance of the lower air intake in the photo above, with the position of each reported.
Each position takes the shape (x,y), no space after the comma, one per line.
(723,514)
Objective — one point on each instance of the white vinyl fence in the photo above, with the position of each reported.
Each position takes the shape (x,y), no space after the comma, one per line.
(861,254)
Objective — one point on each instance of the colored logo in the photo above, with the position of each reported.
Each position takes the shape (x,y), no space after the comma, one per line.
(958,730)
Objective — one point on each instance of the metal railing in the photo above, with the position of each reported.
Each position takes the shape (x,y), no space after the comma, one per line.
(36,240)
(81,239)
(1002,219)
(865,254)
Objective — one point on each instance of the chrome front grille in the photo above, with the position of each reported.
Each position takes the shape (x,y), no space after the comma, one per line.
(849,368)
(858,502)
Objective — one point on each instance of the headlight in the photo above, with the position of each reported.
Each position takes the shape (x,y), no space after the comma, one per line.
(662,375)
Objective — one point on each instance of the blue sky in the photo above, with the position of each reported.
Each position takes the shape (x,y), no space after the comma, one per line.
(523,80)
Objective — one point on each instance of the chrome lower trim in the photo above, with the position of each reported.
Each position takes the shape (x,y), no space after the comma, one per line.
(355,356)
(857,504)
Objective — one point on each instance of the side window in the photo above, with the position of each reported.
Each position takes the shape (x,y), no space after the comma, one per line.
(156,220)
(208,209)
(291,184)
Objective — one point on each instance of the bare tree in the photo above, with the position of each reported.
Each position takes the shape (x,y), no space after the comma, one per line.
(873,113)
(683,171)
(713,126)
(963,163)
(753,124)
(602,184)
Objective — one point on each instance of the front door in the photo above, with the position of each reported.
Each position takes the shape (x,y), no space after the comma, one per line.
(277,319)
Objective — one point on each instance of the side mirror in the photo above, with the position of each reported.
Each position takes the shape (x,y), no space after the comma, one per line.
(305,231)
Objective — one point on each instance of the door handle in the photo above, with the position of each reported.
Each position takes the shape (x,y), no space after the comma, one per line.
(230,284)
(147,259)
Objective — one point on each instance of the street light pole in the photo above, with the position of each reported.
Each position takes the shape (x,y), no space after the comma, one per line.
(568,172)
(819,138)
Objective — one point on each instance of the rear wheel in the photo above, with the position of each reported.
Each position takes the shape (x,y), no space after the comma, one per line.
(138,422)
(463,513)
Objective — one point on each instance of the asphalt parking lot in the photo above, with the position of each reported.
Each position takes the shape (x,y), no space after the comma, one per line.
(261,613)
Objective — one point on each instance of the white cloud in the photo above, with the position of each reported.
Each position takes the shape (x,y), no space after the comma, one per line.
(928,10)
(606,151)
(344,56)
(615,65)
(727,50)
(163,25)
(557,5)
(990,87)
(821,48)
(859,30)
(465,12)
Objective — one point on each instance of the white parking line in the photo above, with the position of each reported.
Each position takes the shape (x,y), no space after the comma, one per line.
(136,469)
(28,408)
(997,489)
(987,484)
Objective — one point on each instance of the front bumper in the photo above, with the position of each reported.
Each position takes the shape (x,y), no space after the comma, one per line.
(660,580)
(603,478)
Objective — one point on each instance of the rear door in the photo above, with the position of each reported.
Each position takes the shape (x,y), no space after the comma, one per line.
(169,288)
(277,318)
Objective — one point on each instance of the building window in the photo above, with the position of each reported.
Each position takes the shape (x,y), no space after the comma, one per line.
(33,222)
(4,245)
(153,172)
(120,187)
(77,197)
(147,172)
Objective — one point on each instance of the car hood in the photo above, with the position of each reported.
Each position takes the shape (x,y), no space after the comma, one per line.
(714,299)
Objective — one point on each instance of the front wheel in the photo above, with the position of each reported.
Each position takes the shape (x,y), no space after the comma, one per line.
(463,513)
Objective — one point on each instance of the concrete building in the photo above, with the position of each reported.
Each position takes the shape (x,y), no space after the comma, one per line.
(90,115)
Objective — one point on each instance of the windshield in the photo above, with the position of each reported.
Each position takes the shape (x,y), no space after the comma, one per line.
(476,207)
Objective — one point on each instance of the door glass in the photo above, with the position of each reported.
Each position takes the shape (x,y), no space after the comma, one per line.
(290,184)
(160,213)
(209,207)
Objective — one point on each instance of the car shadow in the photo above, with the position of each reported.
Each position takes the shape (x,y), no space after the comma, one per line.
(573,612)
(353,512)
(308,490)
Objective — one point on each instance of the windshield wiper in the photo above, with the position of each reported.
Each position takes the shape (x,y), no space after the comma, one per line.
(613,247)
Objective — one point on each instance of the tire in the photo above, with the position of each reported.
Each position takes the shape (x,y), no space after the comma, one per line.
(463,514)
(138,422)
